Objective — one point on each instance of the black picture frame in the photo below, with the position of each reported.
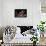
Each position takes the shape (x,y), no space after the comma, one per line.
(20,12)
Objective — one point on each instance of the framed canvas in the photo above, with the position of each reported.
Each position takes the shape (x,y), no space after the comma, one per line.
(20,12)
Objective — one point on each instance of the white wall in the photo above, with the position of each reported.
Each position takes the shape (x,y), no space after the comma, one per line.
(0,13)
(33,12)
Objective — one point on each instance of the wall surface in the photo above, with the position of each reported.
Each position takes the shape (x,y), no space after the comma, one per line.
(33,12)
(0,13)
